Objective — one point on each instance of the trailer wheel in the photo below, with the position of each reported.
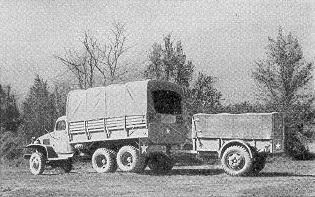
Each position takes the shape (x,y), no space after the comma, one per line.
(37,163)
(160,163)
(103,160)
(236,161)
(129,159)
(258,164)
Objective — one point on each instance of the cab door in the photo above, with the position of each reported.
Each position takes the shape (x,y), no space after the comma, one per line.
(61,138)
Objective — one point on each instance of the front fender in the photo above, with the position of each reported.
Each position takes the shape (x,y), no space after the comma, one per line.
(233,143)
(48,151)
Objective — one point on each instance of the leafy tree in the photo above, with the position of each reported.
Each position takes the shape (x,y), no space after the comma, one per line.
(203,96)
(283,78)
(169,63)
(39,111)
(10,145)
(245,107)
(59,96)
(9,112)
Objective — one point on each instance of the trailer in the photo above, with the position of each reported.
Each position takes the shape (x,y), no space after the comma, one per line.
(241,141)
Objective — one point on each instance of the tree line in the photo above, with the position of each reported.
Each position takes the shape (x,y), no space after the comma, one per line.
(283,78)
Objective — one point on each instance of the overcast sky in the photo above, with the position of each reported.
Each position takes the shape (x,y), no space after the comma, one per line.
(222,38)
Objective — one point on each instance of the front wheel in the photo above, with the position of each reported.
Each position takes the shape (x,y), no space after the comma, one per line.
(236,161)
(37,163)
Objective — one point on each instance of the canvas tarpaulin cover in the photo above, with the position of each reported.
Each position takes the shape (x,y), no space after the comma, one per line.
(105,102)
(244,126)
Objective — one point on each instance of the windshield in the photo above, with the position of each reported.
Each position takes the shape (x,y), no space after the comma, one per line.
(167,102)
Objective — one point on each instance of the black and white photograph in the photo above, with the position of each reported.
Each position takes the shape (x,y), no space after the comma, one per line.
(157,98)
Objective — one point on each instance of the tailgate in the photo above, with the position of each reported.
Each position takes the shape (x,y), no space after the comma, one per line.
(278,134)
(160,133)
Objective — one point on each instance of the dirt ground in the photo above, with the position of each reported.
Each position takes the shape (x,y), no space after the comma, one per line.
(279,178)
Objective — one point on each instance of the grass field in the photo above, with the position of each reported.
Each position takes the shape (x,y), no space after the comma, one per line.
(280,177)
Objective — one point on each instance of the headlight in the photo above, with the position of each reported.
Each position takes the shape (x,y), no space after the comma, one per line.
(37,141)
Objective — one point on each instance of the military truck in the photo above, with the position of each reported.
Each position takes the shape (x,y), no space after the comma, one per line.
(126,126)
(134,125)
(241,141)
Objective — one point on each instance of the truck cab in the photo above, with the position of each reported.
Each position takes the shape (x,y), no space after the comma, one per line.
(58,139)
(52,148)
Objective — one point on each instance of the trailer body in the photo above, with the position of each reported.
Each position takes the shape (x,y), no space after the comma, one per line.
(264,131)
(241,141)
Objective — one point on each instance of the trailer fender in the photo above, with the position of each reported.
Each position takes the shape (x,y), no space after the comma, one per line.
(235,143)
(48,151)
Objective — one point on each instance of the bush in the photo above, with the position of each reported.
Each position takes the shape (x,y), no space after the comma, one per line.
(296,145)
(10,146)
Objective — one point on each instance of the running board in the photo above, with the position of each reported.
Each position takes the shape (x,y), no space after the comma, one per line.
(61,157)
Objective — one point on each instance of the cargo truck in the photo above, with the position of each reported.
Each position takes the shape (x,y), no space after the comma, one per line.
(126,126)
(134,125)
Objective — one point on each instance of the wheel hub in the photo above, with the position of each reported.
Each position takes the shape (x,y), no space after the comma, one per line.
(101,162)
(235,160)
(127,159)
(35,163)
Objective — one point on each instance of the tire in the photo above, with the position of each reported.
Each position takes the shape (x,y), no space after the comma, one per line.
(37,163)
(258,164)
(103,160)
(160,163)
(66,165)
(129,159)
(236,161)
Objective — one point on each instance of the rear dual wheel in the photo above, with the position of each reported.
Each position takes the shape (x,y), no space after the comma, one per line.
(129,159)
(104,160)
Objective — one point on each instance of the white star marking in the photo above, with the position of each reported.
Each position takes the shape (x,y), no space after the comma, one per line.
(278,145)
(144,148)
(168,130)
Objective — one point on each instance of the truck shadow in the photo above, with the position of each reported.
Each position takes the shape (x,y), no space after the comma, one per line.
(282,174)
(194,172)
(187,172)
(53,173)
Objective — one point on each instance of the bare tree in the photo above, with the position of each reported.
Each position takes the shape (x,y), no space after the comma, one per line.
(83,65)
(111,53)
(98,59)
